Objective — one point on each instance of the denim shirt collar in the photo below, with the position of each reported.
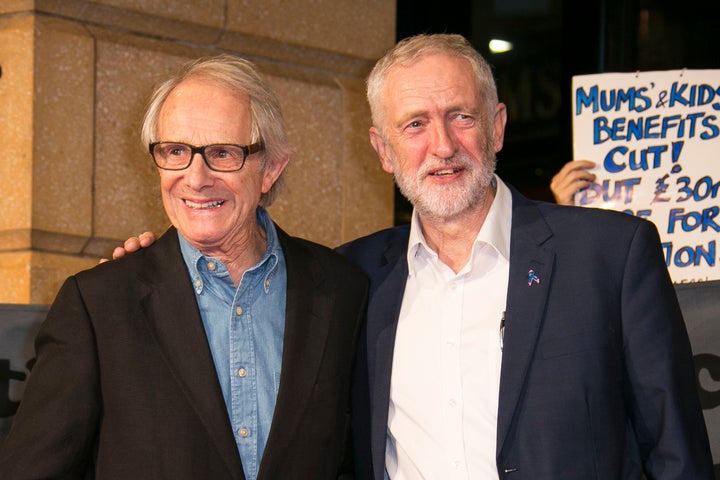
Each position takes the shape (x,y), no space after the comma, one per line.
(194,258)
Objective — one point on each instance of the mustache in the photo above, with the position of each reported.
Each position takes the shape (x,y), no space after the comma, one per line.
(458,161)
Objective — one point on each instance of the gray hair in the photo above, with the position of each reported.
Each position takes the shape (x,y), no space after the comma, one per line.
(241,76)
(411,49)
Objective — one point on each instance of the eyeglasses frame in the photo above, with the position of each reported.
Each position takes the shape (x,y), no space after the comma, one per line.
(194,149)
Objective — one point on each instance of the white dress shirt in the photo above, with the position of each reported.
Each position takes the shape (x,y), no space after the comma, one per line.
(445,379)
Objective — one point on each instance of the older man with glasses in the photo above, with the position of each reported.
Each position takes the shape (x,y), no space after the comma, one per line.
(225,350)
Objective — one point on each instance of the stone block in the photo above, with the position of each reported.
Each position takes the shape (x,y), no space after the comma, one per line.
(63,126)
(16,123)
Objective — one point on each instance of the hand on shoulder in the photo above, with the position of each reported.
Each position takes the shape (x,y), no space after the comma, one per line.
(132,244)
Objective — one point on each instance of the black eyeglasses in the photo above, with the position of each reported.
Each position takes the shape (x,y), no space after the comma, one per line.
(218,157)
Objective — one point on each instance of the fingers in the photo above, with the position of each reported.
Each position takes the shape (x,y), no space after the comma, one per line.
(579,164)
(132,244)
(146,239)
(571,178)
(117,253)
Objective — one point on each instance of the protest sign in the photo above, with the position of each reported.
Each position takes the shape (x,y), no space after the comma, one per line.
(655,137)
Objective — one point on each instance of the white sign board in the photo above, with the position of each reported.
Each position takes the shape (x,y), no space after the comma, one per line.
(655,137)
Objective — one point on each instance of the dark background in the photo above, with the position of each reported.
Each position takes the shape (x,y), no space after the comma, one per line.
(554,40)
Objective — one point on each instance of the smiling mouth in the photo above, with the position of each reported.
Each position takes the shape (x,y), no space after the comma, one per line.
(201,206)
(445,171)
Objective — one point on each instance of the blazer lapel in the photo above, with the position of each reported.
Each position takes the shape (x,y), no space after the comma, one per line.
(174,319)
(531,268)
(388,286)
(306,330)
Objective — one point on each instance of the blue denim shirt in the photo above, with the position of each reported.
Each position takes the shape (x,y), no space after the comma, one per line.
(245,328)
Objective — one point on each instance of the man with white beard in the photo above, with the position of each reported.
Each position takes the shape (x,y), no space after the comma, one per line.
(507,338)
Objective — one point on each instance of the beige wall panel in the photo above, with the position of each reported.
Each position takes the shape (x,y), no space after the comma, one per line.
(16,115)
(49,271)
(367,189)
(63,126)
(204,12)
(197,21)
(15,277)
(310,205)
(360,28)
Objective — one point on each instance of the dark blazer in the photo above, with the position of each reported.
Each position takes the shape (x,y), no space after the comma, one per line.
(597,379)
(125,387)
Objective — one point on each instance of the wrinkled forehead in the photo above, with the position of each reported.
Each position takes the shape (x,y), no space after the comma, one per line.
(202,111)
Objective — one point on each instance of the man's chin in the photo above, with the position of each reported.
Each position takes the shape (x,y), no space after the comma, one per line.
(449,207)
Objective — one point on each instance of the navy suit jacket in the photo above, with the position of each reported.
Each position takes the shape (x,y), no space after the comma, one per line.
(597,379)
(125,387)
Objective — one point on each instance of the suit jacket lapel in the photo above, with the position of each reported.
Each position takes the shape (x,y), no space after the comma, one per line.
(174,320)
(526,300)
(387,288)
(306,330)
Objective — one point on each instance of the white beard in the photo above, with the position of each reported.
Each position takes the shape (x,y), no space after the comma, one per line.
(444,202)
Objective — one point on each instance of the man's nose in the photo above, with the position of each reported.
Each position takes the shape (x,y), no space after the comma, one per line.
(443,141)
(198,174)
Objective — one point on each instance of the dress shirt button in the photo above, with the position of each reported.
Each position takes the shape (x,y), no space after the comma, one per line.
(452,402)
(242,373)
(453,286)
(267,283)
(244,432)
(211,266)
(238,310)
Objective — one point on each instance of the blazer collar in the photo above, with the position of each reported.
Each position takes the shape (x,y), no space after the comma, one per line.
(387,288)
(173,317)
(531,268)
(306,330)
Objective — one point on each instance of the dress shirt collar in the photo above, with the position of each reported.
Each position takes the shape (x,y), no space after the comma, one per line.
(495,230)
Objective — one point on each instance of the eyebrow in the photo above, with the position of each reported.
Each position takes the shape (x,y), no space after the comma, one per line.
(476,112)
(406,118)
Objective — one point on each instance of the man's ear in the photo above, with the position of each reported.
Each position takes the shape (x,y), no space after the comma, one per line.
(381,148)
(499,126)
(272,172)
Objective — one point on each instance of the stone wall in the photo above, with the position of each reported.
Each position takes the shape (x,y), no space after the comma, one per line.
(76,75)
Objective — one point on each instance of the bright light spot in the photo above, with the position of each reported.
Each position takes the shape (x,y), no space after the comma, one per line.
(500,46)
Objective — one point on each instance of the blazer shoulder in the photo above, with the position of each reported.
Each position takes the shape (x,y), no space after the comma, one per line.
(573,228)
(375,249)
(147,263)
(592,219)
(570,216)
(300,251)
